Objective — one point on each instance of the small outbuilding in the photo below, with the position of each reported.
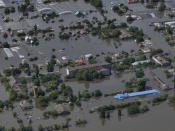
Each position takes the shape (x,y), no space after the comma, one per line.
(63,109)
(25,104)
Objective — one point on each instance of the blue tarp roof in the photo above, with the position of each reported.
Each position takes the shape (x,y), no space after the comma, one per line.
(121,96)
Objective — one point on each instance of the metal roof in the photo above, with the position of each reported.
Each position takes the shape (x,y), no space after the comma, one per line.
(123,95)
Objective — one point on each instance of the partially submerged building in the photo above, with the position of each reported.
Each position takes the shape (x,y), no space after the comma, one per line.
(2,4)
(28,39)
(160,60)
(26,105)
(80,13)
(140,62)
(146,49)
(104,68)
(87,56)
(8,52)
(125,35)
(162,84)
(170,23)
(140,93)
(63,109)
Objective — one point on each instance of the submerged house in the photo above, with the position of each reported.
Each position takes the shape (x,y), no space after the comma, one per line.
(125,35)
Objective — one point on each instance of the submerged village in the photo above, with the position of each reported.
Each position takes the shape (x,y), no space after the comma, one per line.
(80,65)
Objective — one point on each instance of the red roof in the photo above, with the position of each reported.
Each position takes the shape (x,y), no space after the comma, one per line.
(79,61)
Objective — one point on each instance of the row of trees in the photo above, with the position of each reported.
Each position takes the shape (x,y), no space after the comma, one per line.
(88,74)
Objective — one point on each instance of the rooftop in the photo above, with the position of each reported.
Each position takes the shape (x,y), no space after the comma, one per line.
(124,95)
(89,66)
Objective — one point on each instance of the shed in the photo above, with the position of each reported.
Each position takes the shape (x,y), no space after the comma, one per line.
(26,105)
(63,109)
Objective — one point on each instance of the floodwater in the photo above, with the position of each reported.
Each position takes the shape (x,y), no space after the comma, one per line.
(159,118)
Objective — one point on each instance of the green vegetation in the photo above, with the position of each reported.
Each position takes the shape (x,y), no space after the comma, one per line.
(159,99)
(135,109)
(171,100)
(120,9)
(9,10)
(130,19)
(42,101)
(88,74)
(168,74)
(162,6)
(80,122)
(87,95)
(137,34)
(132,108)
(52,113)
(96,3)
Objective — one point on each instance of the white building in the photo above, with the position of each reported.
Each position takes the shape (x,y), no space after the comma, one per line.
(140,62)
(2,4)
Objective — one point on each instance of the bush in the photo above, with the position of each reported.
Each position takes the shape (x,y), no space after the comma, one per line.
(133,109)
(42,101)
(144,109)
(160,99)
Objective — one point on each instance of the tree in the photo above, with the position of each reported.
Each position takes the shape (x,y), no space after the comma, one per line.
(141,82)
(97,3)
(139,73)
(27,2)
(133,109)
(50,67)
(102,114)
(35,28)
(116,33)
(108,59)
(36,70)
(119,113)
(169,30)
(12,95)
(162,6)
(7,11)
(97,93)
(5,45)
(7,72)
(40,128)
(2,128)
(130,19)
(86,94)
(42,101)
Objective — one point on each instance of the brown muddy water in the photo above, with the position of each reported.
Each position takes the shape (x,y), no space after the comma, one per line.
(159,118)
